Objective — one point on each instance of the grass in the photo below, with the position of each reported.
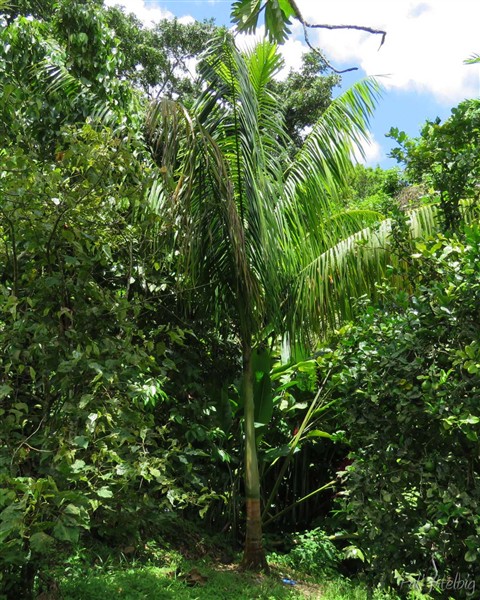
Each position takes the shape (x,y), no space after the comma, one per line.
(153,582)
(175,581)
(156,570)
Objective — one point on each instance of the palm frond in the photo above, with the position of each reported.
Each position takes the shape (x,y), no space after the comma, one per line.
(472,60)
(56,78)
(265,246)
(326,287)
(327,152)
(236,176)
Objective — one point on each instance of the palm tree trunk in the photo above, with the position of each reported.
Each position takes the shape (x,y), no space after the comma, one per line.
(254,554)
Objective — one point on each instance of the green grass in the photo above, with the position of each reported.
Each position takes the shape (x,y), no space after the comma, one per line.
(145,582)
(162,583)
(159,572)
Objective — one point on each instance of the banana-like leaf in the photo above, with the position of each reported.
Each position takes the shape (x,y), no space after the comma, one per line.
(262,385)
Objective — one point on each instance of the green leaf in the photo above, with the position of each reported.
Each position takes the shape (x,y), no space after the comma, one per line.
(277,21)
(104,492)
(81,441)
(273,453)
(66,534)
(353,552)
(71,509)
(471,556)
(84,400)
(245,14)
(78,465)
(5,390)
(224,456)
(41,542)
(471,420)
(287,8)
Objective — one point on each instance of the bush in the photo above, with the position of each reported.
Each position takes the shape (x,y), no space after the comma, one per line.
(87,435)
(312,553)
(408,379)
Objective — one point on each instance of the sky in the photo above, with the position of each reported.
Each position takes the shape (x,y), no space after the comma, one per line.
(420,65)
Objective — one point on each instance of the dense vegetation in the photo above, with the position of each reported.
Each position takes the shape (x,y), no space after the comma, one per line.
(213,326)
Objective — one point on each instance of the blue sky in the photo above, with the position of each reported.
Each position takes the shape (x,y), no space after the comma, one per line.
(426,44)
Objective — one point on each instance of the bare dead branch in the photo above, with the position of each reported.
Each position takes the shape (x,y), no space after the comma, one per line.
(307,26)
(356,27)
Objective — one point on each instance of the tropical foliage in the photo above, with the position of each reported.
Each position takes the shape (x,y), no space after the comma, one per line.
(174,256)
(407,380)
(446,159)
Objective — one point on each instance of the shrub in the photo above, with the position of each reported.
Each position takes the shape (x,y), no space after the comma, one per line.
(312,553)
(408,379)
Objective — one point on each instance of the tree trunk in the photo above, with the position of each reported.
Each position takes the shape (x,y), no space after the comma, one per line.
(254,554)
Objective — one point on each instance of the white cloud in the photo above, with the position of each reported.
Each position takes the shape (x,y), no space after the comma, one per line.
(372,152)
(139,8)
(187,20)
(246,41)
(292,52)
(426,43)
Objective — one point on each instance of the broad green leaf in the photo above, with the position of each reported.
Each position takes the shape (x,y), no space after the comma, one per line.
(71,509)
(353,552)
(471,420)
(224,456)
(104,492)
(65,533)
(81,441)
(41,542)
(5,390)
(471,556)
(273,453)
(78,466)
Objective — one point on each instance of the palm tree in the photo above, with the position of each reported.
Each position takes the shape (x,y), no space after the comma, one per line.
(260,244)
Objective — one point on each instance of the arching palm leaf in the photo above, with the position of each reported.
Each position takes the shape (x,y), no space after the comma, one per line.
(326,288)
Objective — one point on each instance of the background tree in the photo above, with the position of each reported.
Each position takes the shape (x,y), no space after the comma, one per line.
(375,189)
(84,354)
(446,158)
(406,374)
(305,94)
(58,72)
(160,60)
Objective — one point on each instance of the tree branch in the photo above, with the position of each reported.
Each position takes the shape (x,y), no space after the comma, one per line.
(356,27)
(307,26)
